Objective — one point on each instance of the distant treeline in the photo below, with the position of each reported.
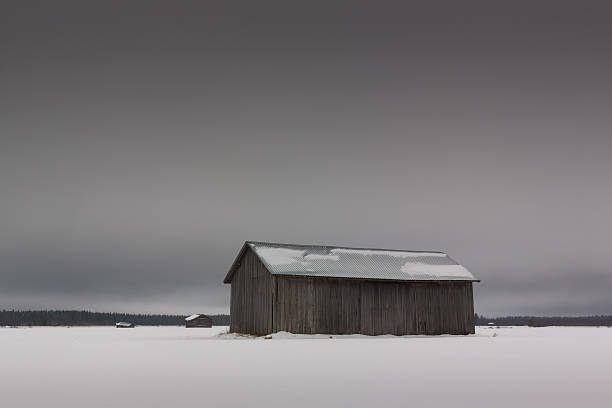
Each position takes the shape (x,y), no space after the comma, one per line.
(545,321)
(85,318)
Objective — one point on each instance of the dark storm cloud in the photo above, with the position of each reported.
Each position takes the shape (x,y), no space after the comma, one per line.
(141,143)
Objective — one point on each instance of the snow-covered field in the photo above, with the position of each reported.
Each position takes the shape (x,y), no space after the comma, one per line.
(178,367)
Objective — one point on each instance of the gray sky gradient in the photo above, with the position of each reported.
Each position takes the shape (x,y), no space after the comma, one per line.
(142,143)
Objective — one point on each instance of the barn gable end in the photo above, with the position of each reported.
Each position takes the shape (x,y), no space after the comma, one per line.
(251,295)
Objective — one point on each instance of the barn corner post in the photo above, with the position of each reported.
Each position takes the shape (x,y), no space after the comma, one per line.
(274,302)
(341,290)
(472,323)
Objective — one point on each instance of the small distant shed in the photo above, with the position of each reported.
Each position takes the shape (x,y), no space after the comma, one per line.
(198,320)
(124,325)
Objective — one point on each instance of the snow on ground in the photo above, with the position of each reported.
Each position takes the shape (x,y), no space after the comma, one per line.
(179,367)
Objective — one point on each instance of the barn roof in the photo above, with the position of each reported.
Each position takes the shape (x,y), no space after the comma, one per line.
(354,263)
(194,316)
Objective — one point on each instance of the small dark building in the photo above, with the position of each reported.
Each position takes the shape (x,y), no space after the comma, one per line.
(198,320)
(338,290)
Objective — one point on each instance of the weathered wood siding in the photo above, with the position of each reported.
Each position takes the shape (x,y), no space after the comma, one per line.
(416,308)
(343,306)
(306,305)
(251,297)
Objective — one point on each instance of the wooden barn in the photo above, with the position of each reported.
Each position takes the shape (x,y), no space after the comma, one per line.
(339,290)
(198,320)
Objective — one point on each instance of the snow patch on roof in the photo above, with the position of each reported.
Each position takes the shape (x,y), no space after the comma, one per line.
(382,252)
(280,256)
(322,256)
(443,271)
(193,316)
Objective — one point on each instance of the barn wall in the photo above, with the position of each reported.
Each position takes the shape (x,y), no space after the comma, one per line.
(416,308)
(251,297)
(306,305)
(341,306)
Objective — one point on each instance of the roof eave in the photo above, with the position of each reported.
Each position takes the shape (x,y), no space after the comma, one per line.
(294,275)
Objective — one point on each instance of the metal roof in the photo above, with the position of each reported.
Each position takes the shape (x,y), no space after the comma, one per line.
(355,263)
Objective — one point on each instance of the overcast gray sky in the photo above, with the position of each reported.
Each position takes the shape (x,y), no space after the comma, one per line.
(142,143)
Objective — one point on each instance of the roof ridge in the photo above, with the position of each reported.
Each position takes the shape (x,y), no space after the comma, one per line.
(340,247)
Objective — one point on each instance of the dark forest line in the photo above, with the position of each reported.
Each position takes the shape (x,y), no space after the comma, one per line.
(86,318)
(539,321)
